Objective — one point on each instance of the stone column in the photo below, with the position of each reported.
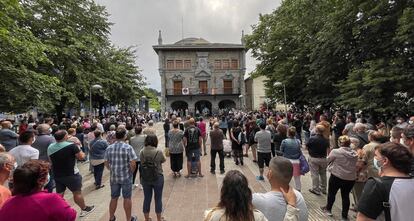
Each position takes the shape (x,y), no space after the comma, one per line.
(163,81)
(242,73)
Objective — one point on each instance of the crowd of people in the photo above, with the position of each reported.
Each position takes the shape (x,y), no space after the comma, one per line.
(371,159)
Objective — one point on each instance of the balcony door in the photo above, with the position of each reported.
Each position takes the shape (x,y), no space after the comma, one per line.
(202,85)
(228,87)
(178,86)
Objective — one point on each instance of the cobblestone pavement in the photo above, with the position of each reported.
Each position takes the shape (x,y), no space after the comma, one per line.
(186,199)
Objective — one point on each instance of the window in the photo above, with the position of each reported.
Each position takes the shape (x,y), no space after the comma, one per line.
(228,87)
(170,64)
(187,64)
(217,64)
(178,64)
(226,64)
(178,86)
(234,64)
(202,85)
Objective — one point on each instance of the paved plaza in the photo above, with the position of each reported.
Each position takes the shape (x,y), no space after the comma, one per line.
(186,199)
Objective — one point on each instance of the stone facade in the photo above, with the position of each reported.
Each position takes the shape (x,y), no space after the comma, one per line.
(199,75)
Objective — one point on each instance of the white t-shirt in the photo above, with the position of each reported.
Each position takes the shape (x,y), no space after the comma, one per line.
(24,153)
(273,205)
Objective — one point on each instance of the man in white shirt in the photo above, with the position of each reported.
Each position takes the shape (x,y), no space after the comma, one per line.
(25,152)
(272,204)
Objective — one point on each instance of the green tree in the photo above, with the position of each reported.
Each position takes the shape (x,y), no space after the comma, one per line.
(283,42)
(75,34)
(152,96)
(22,85)
(382,56)
(355,54)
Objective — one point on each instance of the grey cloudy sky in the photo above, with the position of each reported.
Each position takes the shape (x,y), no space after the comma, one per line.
(136,22)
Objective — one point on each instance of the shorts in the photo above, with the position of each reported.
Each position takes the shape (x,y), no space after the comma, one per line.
(73,183)
(193,155)
(116,190)
(263,158)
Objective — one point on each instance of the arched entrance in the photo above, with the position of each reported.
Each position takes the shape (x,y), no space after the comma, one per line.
(226,104)
(203,107)
(179,105)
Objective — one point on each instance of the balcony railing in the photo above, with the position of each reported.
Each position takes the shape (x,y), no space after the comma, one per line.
(203,91)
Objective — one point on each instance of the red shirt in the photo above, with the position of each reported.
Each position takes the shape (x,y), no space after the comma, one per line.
(202,126)
(40,206)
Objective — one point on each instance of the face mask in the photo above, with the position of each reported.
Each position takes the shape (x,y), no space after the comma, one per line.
(14,166)
(377,164)
(50,130)
(402,143)
(47,181)
(399,121)
(411,122)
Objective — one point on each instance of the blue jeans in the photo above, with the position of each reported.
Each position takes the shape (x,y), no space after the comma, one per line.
(97,173)
(125,188)
(158,187)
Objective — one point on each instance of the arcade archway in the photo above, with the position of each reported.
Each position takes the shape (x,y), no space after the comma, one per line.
(203,106)
(226,104)
(179,105)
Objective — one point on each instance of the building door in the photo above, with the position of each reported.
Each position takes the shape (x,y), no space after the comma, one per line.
(202,85)
(178,86)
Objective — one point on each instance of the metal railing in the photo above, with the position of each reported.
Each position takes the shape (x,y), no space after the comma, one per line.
(203,91)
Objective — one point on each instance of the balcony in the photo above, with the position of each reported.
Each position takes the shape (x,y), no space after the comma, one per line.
(202,91)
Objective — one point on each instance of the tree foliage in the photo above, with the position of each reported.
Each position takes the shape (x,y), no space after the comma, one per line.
(354,54)
(68,49)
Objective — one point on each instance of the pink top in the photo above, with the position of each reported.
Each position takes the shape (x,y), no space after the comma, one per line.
(40,206)
(202,126)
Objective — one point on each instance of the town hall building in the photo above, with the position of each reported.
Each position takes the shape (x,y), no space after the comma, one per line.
(201,77)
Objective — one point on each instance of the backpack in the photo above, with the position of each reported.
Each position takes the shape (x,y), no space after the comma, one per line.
(385,198)
(251,136)
(149,171)
(241,138)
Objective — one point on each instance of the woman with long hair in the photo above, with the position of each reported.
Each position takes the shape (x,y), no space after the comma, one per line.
(235,201)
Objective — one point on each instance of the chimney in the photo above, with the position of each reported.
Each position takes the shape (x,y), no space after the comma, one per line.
(159,38)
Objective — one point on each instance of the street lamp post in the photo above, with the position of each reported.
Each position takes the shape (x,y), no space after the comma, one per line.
(97,87)
(277,84)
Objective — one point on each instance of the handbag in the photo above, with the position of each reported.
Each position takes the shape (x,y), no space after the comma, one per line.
(303,164)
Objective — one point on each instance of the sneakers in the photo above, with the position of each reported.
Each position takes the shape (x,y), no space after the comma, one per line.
(222,171)
(212,172)
(134,218)
(241,163)
(315,192)
(86,211)
(326,211)
(260,178)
